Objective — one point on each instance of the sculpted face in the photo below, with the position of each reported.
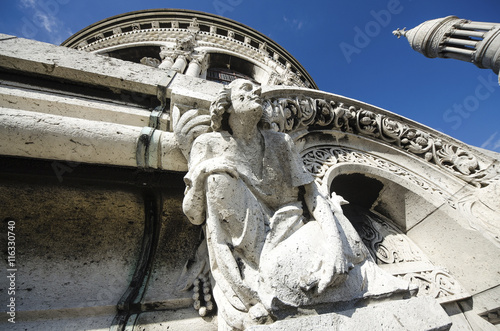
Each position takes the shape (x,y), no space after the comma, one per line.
(245,99)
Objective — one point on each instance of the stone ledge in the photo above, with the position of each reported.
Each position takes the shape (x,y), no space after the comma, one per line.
(412,314)
(45,59)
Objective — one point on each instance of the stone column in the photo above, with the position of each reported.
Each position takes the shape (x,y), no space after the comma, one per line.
(194,68)
(167,63)
(180,64)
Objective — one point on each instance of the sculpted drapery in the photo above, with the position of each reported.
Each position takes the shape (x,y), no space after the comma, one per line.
(274,239)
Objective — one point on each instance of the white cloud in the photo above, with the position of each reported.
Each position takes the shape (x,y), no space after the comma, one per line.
(47,22)
(294,24)
(496,145)
(44,21)
(28,3)
(489,140)
(490,143)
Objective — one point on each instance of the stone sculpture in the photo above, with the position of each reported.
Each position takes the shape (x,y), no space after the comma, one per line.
(269,253)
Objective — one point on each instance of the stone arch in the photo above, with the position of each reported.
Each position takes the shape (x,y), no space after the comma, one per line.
(387,188)
(385,202)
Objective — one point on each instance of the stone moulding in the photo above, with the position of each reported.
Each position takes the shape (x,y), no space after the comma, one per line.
(294,110)
(319,161)
(160,25)
(387,244)
(160,36)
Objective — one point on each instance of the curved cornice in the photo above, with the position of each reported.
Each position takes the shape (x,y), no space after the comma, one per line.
(159,23)
(293,110)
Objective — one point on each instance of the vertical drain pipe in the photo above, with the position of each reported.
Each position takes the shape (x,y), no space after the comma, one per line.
(129,305)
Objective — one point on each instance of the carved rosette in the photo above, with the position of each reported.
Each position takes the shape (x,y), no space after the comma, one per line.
(288,114)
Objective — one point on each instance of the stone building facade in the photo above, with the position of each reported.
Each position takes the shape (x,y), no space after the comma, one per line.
(92,178)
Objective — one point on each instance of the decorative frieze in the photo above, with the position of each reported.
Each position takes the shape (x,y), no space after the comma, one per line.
(288,114)
(436,283)
(386,244)
(320,159)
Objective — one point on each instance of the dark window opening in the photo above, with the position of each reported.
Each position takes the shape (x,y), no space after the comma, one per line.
(222,32)
(225,68)
(239,37)
(135,54)
(358,189)
(224,75)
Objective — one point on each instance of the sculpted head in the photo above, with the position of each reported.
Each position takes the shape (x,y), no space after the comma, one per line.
(242,98)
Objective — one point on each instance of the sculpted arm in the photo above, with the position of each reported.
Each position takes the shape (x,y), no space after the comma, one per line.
(201,165)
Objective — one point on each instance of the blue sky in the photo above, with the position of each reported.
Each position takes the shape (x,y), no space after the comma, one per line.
(384,71)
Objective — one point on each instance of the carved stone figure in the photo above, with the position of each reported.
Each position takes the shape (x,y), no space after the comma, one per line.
(275,241)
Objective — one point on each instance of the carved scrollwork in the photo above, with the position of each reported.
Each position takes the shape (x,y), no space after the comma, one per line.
(436,283)
(386,244)
(299,112)
(320,159)
(399,255)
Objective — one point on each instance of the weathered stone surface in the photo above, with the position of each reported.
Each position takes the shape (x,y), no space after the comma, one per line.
(476,42)
(178,320)
(44,136)
(76,251)
(72,106)
(445,236)
(35,57)
(416,314)
(265,254)
(79,245)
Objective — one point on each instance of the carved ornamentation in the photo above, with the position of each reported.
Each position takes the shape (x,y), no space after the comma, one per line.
(320,159)
(386,244)
(480,217)
(149,61)
(300,112)
(392,248)
(251,45)
(194,26)
(264,245)
(436,283)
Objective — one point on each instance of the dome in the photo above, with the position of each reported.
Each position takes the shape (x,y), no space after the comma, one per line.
(219,48)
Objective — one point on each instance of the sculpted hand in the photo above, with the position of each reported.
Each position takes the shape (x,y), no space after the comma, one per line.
(211,166)
(331,271)
(334,272)
(221,166)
